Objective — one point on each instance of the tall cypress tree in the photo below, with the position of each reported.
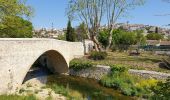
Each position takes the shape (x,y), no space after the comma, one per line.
(70,34)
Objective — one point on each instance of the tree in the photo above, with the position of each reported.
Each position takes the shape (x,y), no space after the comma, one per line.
(14,8)
(154,36)
(70,34)
(16,27)
(140,38)
(92,12)
(11,22)
(103,37)
(81,32)
(123,39)
(115,9)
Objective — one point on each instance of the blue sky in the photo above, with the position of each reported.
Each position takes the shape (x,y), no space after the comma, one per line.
(53,11)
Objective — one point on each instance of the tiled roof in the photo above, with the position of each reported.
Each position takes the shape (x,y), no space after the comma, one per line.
(155,42)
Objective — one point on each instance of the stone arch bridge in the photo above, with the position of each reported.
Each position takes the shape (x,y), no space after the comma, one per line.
(18,55)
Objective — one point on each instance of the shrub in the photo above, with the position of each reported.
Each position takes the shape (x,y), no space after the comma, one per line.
(161,91)
(78,64)
(98,55)
(129,85)
(118,68)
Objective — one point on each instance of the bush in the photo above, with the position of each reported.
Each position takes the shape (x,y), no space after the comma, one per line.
(118,68)
(129,85)
(78,64)
(98,55)
(161,91)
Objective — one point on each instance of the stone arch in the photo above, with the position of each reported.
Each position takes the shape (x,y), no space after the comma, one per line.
(53,60)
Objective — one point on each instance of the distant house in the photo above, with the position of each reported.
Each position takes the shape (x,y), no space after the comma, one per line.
(158,45)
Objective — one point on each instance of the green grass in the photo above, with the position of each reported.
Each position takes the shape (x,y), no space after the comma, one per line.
(146,61)
(17,97)
(129,85)
(59,89)
(77,64)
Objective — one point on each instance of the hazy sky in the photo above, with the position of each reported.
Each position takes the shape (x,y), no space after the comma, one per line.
(53,11)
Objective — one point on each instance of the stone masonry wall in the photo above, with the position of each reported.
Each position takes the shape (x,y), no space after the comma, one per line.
(99,71)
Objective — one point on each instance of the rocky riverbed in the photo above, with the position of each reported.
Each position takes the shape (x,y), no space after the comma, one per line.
(35,83)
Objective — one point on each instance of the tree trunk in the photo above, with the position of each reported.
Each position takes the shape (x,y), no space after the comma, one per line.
(110,39)
(96,43)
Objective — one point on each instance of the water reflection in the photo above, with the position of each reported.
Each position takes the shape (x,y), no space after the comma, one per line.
(87,89)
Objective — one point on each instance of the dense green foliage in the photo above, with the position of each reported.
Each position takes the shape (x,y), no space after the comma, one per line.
(17,97)
(14,8)
(154,36)
(12,25)
(140,38)
(162,91)
(15,27)
(95,55)
(70,34)
(103,37)
(129,85)
(78,64)
(121,39)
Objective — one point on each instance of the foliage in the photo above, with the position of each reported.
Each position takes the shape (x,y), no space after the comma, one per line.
(128,84)
(78,65)
(140,38)
(122,39)
(14,8)
(118,68)
(154,36)
(161,91)
(103,37)
(81,32)
(11,22)
(17,97)
(95,55)
(70,34)
(92,12)
(62,36)
(59,89)
(15,27)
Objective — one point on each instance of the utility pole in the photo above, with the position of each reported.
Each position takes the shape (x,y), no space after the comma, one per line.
(52,26)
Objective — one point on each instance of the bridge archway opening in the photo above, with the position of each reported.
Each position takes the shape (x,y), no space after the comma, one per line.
(50,62)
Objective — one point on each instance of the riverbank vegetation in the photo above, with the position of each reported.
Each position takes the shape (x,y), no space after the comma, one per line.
(17,97)
(145,61)
(129,85)
(132,85)
(120,79)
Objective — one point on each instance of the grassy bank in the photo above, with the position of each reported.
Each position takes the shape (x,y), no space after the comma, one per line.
(145,61)
(120,79)
(129,85)
(17,97)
